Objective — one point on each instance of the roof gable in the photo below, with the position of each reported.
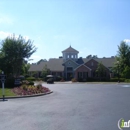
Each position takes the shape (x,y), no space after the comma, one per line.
(83,66)
(107,62)
(70,61)
(70,49)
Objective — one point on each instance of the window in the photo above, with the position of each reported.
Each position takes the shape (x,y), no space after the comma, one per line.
(69,69)
(85,74)
(72,56)
(68,56)
(79,74)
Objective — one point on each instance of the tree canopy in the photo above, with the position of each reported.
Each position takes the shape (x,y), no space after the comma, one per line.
(122,64)
(100,70)
(14,50)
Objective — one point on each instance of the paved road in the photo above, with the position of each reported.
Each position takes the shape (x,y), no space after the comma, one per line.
(70,107)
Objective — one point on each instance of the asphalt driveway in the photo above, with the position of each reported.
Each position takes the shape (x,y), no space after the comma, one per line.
(70,107)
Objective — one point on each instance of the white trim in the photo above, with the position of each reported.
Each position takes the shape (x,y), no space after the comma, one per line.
(70,60)
(84,66)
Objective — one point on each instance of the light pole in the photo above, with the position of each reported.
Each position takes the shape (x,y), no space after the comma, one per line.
(118,72)
(2,78)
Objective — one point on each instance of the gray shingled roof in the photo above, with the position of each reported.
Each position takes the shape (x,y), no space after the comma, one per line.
(108,62)
(52,64)
(56,64)
(70,49)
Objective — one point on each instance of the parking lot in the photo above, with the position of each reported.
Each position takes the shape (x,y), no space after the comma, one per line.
(69,107)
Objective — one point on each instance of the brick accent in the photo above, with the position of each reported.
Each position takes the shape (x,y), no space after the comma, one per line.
(93,64)
(82,68)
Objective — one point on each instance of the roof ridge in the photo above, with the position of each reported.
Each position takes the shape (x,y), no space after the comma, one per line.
(70,49)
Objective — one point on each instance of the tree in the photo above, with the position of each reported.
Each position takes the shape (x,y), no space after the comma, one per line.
(100,70)
(89,56)
(126,72)
(25,68)
(42,60)
(45,71)
(123,55)
(13,52)
(122,60)
(95,56)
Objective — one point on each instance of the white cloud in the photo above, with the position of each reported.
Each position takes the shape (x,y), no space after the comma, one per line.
(127,40)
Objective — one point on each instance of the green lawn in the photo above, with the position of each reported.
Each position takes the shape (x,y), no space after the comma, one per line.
(8,92)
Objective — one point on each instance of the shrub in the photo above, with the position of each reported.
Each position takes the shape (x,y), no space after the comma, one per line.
(62,80)
(30,83)
(29,90)
(89,79)
(31,79)
(9,82)
(80,79)
(25,82)
(39,86)
(39,79)
(58,78)
(84,80)
(74,80)
(116,79)
(26,76)
(127,80)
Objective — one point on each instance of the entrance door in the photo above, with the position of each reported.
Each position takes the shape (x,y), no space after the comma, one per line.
(69,75)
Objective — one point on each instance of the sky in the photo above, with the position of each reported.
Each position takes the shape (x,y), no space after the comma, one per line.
(94,27)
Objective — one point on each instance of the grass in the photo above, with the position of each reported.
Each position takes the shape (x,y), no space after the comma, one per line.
(8,92)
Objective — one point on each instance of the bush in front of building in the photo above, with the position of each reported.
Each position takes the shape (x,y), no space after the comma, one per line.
(58,78)
(116,79)
(26,75)
(62,80)
(74,80)
(82,80)
(31,79)
(31,83)
(127,80)
(39,79)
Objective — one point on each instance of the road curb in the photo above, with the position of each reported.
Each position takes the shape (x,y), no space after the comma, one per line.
(27,96)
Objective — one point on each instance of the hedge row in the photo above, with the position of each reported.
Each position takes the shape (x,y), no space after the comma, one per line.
(102,79)
(127,80)
(116,79)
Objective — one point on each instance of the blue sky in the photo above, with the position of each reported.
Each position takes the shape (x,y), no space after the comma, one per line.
(91,26)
